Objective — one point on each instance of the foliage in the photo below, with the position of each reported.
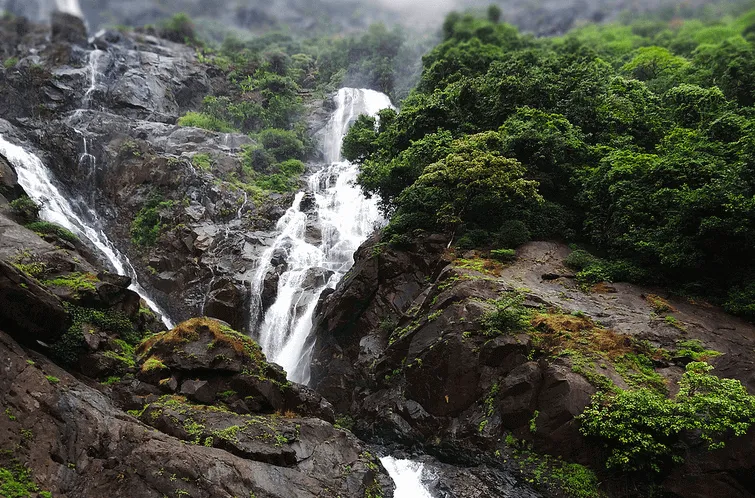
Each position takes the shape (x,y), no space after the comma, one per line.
(461,187)
(47,228)
(202,162)
(26,209)
(17,482)
(179,28)
(77,282)
(205,121)
(10,62)
(508,316)
(504,255)
(634,138)
(642,429)
(148,223)
(68,348)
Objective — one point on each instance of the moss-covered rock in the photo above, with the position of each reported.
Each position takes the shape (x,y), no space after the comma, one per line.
(207,362)
(204,344)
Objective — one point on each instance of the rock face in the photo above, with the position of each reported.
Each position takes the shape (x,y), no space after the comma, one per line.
(404,347)
(75,443)
(102,118)
(68,28)
(210,417)
(29,312)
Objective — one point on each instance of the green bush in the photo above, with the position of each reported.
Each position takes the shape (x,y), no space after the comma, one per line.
(503,255)
(508,316)
(179,28)
(202,162)
(17,482)
(205,121)
(25,208)
(68,348)
(641,429)
(147,225)
(47,228)
(282,144)
(10,62)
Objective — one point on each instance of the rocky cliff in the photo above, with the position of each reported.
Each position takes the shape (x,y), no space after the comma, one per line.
(420,347)
(101,114)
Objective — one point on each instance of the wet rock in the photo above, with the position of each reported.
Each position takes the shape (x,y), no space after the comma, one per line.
(316,277)
(27,311)
(518,398)
(85,446)
(198,390)
(226,302)
(280,255)
(308,203)
(203,344)
(67,28)
(9,186)
(313,234)
(212,364)
(270,286)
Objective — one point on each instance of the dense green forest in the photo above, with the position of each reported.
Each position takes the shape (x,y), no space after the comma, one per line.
(635,140)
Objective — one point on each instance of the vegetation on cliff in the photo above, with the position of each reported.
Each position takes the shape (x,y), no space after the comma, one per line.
(635,138)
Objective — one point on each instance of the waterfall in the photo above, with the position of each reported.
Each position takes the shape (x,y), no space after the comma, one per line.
(70,7)
(407,476)
(345,218)
(37,181)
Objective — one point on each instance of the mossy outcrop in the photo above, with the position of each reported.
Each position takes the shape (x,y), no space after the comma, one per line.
(208,362)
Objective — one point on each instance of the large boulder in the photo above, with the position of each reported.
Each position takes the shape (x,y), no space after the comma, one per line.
(225,301)
(208,362)
(75,442)
(9,187)
(28,311)
(67,28)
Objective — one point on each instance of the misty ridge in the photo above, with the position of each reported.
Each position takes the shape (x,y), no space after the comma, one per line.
(541,17)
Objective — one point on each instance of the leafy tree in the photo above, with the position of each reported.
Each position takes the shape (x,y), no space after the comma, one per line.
(472,179)
(494,14)
(658,67)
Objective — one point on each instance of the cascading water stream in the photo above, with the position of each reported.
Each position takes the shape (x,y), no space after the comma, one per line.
(346,218)
(407,476)
(37,181)
(70,7)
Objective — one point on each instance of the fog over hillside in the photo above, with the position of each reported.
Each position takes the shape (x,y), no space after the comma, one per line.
(541,17)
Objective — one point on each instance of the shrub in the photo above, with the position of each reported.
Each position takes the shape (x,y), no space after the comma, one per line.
(47,228)
(503,255)
(642,428)
(180,29)
(10,62)
(202,162)
(580,259)
(25,208)
(508,316)
(205,121)
(512,233)
(68,348)
(282,144)
(147,226)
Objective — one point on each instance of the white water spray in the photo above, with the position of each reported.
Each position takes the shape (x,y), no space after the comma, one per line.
(346,218)
(70,7)
(408,477)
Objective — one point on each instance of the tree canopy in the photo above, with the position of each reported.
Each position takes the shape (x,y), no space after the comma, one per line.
(638,139)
